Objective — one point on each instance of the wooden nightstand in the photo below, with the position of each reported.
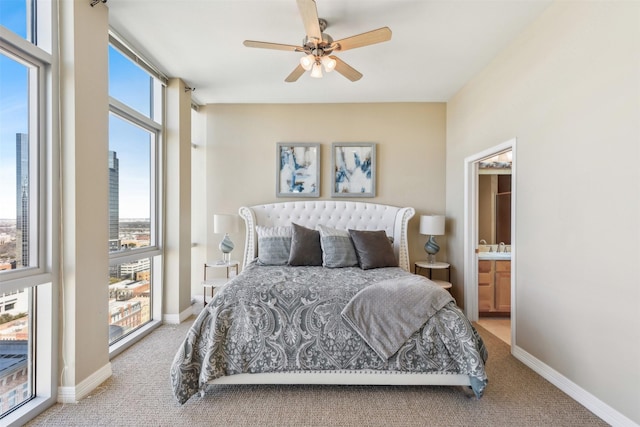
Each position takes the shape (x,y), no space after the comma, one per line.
(215,283)
(424,265)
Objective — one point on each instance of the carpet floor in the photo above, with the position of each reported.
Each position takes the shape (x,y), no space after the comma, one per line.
(138,393)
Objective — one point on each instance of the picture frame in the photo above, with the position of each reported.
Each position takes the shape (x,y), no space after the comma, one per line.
(298,169)
(353,169)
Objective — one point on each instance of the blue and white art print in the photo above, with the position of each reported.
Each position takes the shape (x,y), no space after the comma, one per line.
(298,170)
(353,169)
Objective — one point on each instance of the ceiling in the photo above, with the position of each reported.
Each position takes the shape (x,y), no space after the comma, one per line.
(436,46)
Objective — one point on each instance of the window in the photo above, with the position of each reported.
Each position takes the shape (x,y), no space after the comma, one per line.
(26,152)
(15,16)
(136,105)
(18,164)
(131,155)
(125,75)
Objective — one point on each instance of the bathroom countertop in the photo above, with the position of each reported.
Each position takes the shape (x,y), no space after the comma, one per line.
(495,255)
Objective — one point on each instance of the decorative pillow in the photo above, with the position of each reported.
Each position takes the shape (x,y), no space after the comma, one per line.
(373,249)
(274,245)
(337,248)
(305,246)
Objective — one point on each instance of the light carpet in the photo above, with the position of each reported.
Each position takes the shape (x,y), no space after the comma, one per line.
(138,393)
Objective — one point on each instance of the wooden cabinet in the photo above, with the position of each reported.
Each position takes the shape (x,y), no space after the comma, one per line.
(494,287)
(485,285)
(503,286)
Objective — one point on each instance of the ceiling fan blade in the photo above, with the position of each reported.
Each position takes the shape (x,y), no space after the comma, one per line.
(309,14)
(346,70)
(295,74)
(276,46)
(365,39)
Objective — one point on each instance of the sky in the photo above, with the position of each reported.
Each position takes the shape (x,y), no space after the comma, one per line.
(127,83)
(13,106)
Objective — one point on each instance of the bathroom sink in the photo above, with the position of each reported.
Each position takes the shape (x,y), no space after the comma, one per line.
(494,255)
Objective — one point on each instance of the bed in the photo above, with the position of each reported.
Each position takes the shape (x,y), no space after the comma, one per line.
(302,312)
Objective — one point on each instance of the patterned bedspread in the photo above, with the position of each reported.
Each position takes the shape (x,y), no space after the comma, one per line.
(281,318)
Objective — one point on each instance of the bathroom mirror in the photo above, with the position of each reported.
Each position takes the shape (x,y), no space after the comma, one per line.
(494,200)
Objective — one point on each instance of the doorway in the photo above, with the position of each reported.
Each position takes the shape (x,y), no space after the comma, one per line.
(489,246)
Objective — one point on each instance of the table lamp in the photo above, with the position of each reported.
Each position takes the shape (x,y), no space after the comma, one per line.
(432,225)
(225,223)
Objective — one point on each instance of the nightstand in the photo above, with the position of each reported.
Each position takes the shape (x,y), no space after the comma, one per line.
(424,265)
(217,282)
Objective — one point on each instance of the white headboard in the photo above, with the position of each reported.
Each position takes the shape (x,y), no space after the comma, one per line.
(336,214)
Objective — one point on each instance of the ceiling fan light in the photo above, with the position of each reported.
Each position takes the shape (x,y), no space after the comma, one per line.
(307,62)
(316,71)
(329,63)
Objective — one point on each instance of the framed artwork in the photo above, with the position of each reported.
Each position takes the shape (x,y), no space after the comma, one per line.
(298,166)
(353,169)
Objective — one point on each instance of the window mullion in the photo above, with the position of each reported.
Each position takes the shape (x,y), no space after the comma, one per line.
(22,48)
(129,114)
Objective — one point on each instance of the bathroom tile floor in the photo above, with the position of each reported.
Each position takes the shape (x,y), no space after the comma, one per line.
(498,326)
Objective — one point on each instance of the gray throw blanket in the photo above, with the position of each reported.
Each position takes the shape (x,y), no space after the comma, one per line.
(387,313)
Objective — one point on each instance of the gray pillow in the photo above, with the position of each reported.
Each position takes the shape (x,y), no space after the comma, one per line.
(274,245)
(337,248)
(373,249)
(305,246)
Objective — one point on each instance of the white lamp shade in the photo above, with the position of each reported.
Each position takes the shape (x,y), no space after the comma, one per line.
(225,223)
(329,63)
(316,71)
(307,61)
(432,225)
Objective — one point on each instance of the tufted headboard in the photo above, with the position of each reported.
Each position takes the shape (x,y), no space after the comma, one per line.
(336,214)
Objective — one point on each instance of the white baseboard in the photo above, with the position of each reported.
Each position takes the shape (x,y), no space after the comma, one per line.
(577,393)
(76,393)
(176,319)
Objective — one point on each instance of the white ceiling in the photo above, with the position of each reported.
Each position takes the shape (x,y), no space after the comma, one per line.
(436,46)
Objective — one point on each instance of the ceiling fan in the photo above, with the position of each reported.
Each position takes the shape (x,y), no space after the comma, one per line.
(319,46)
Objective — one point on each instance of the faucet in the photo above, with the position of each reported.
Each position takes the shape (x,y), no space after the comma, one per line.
(483,242)
(501,246)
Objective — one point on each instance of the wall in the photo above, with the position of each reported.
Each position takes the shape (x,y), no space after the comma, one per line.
(241,156)
(568,88)
(198,199)
(177,238)
(84,361)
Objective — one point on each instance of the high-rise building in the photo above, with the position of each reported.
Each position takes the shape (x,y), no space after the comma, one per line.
(22,199)
(114,200)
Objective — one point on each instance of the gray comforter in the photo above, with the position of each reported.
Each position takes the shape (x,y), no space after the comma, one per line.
(281,318)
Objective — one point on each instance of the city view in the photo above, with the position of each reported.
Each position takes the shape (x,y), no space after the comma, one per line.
(130,283)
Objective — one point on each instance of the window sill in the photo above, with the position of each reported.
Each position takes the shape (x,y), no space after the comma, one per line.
(123,344)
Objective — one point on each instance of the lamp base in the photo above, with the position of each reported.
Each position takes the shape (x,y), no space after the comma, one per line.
(431,248)
(226,246)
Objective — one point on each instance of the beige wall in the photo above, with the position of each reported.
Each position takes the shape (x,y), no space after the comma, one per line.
(569,90)
(84,341)
(241,155)
(199,215)
(177,232)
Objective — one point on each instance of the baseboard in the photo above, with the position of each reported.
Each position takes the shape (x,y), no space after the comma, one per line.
(577,393)
(176,319)
(78,392)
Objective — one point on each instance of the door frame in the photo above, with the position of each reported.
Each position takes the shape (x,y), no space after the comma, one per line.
(471,167)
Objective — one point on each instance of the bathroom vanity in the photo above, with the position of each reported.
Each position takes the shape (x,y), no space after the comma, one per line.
(494,284)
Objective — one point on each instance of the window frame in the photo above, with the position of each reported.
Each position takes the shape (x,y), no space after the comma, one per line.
(39,66)
(133,117)
(154,125)
(40,281)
